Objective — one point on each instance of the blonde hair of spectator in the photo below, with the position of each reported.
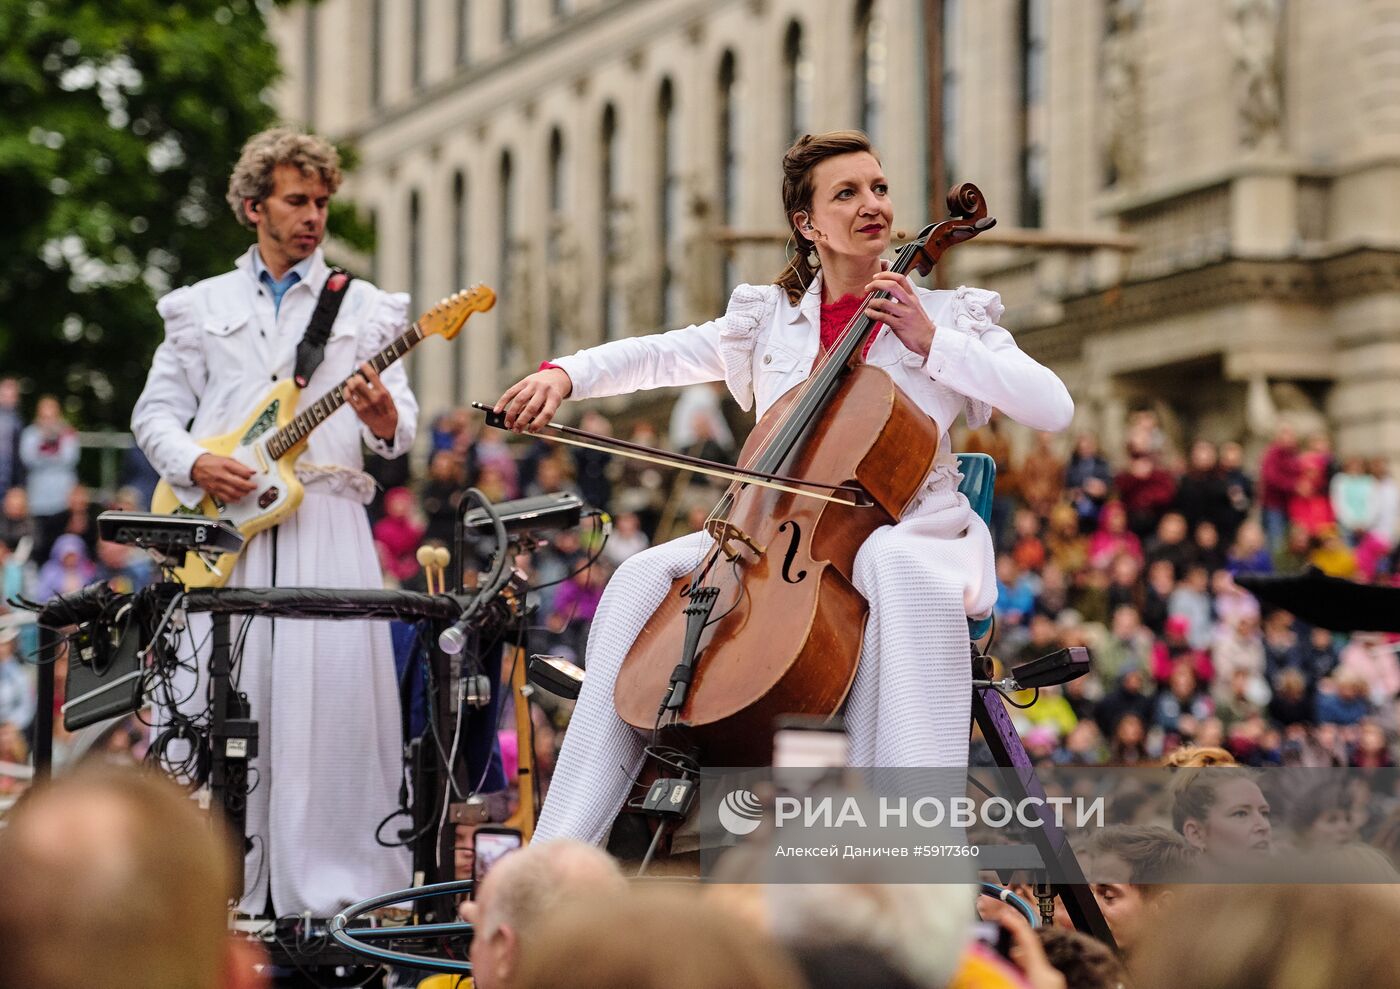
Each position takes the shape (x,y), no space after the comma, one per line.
(920,928)
(112,877)
(1199,757)
(671,939)
(1193,790)
(263,152)
(1155,856)
(1283,937)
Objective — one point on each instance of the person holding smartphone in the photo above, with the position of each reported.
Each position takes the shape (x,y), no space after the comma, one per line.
(519,890)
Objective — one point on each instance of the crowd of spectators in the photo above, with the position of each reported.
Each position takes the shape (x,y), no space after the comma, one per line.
(1135,555)
(1131,553)
(48,546)
(549,915)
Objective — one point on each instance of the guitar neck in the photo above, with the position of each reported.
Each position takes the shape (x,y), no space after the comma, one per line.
(319,411)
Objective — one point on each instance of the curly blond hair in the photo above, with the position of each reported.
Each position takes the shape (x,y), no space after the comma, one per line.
(252,176)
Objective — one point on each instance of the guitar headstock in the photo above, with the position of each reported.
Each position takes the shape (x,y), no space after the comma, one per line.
(447,317)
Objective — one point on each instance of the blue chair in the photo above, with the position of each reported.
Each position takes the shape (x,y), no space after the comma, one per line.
(979,473)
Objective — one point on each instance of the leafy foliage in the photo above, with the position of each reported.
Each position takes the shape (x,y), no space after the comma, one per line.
(119,123)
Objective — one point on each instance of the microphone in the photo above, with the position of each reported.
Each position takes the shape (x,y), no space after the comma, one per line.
(453,640)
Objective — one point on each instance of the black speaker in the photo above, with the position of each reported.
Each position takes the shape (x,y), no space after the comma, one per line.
(105,673)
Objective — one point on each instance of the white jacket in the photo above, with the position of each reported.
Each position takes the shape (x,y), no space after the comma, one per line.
(764,345)
(226,345)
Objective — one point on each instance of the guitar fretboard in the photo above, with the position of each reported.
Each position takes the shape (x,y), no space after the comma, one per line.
(319,411)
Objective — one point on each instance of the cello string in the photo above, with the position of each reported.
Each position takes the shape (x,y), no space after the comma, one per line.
(783,427)
(901,264)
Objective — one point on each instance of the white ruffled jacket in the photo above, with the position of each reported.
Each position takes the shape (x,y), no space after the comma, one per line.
(764,345)
(225,346)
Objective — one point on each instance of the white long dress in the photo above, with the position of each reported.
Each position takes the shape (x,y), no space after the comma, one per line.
(910,702)
(324,693)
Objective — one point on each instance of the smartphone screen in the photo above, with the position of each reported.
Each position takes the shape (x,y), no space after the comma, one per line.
(488,845)
(994,936)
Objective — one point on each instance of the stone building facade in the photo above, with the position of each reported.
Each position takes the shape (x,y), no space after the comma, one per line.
(1196,198)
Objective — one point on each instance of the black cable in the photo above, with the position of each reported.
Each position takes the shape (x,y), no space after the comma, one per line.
(597,528)
(293,951)
(1007,697)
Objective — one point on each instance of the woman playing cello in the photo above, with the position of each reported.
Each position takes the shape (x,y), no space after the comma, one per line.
(922,577)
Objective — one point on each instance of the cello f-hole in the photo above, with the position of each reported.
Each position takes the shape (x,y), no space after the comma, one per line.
(792,553)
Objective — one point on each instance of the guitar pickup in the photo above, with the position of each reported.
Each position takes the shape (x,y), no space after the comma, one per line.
(268,497)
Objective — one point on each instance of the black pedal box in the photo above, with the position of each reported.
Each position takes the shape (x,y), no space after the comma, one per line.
(105,679)
(669,798)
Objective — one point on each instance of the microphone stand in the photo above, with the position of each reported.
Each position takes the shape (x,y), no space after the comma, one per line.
(452,640)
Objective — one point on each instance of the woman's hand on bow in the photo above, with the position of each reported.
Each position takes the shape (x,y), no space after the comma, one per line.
(901,312)
(531,402)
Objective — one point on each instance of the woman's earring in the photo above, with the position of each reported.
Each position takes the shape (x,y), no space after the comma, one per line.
(814,259)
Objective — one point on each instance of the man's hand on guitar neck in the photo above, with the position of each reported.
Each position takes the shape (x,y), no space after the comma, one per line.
(372,402)
(223,477)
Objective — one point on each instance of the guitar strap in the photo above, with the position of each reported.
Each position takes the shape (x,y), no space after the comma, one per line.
(312,349)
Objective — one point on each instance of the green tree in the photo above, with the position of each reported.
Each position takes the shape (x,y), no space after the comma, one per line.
(119,123)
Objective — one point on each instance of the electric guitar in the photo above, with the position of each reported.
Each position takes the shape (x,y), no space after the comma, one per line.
(274,436)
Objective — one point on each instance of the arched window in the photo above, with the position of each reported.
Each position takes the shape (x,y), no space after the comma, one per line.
(505,263)
(614,314)
(669,200)
(312,68)
(415,66)
(508,21)
(730,99)
(464,27)
(558,172)
(797,83)
(459,277)
(951,31)
(558,208)
(374,255)
(376,53)
(1032,23)
(415,268)
(871,58)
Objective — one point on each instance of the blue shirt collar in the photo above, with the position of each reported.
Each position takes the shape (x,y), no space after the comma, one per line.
(278,287)
(300,269)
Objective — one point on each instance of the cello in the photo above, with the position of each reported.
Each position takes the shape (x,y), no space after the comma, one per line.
(769,623)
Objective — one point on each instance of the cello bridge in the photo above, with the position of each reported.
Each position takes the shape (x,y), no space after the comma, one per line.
(725,533)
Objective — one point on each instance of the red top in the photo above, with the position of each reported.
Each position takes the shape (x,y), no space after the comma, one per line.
(835,316)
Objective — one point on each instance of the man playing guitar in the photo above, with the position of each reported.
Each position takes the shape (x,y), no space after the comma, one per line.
(324,693)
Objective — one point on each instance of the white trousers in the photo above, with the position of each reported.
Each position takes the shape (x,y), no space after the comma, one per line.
(911,700)
(326,701)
